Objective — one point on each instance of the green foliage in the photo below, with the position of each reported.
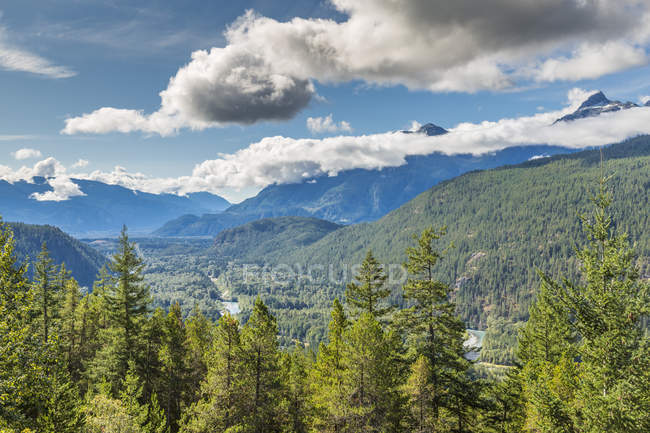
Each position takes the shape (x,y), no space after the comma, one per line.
(80,258)
(370,292)
(584,348)
(263,239)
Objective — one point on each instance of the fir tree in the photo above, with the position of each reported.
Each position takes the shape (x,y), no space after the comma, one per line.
(261,387)
(327,394)
(370,377)
(433,328)
(127,301)
(606,310)
(174,371)
(47,292)
(222,404)
(370,292)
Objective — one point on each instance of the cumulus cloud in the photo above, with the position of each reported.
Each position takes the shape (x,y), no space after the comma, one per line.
(280,160)
(80,163)
(318,125)
(63,188)
(13,58)
(267,68)
(26,153)
(53,171)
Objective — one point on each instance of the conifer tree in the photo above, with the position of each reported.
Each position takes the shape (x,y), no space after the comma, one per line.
(222,404)
(546,347)
(261,385)
(327,394)
(433,328)
(371,378)
(294,367)
(607,309)
(47,292)
(127,301)
(21,370)
(174,371)
(199,333)
(370,292)
(62,412)
(70,338)
(419,391)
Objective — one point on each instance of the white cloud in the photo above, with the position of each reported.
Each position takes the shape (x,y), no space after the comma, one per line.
(279,160)
(26,153)
(80,163)
(587,62)
(318,125)
(62,189)
(266,69)
(13,58)
(55,174)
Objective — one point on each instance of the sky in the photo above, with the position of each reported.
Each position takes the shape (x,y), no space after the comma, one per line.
(229,97)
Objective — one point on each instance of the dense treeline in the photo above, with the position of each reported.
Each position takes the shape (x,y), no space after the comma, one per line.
(504,223)
(104,362)
(80,259)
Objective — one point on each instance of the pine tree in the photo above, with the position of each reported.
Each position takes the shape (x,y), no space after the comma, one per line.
(47,292)
(370,292)
(371,377)
(546,343)
(127,301)
(174,371)
(607,309)
(327,394)
(261,386)
(432,326)
(222,404)
(21,361)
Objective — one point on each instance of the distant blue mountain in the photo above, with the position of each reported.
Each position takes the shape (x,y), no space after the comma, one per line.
(104,208)
(595,105)
(355,195)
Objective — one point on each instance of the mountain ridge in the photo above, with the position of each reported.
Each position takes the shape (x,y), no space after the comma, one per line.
(103,209)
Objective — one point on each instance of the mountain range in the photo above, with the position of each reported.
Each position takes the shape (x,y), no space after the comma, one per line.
(360,195)
(597,104)
(504,224)
(352,196)
(103,209)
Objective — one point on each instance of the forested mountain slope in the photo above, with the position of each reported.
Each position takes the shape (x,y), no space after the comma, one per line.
(352,196)
(270,236)
(80,259)
(504,224)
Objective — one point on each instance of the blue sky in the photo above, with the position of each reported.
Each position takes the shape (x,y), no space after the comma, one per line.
(66,58)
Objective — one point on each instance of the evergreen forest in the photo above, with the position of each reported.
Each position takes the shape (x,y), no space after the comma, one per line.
(104,360)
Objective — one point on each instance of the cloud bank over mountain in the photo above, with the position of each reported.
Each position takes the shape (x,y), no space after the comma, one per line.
(279,160)
(267,69)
